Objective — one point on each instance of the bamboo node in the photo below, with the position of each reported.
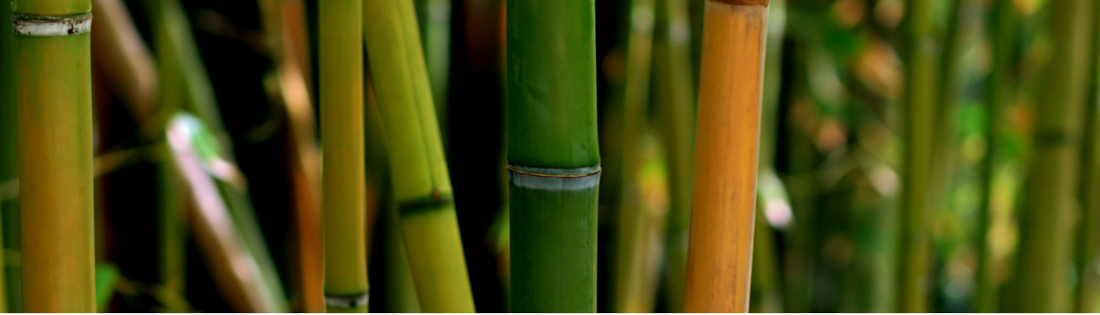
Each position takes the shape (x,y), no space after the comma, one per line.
(435,200)
(348,301)
(542,178)
(47,25)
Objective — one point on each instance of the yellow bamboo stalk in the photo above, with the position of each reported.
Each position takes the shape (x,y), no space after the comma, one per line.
(54,96)
(727,141)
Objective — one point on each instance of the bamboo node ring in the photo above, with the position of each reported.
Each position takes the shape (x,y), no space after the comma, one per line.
(46,25)
(554,178)
(348,301)
(434,200)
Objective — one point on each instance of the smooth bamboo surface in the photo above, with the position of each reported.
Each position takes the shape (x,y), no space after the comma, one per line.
(1049,217)
(343,174)
(421,182)
(553,155)
(727,135)
(54,96)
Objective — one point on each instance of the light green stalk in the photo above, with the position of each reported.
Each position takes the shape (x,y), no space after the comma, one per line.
(919,135)
(343,175)
(434,21)
(674,99)
(629,289)
(998,95)
(422,186)
(54,96)
(1041,283)
(1088,250)
(553,155)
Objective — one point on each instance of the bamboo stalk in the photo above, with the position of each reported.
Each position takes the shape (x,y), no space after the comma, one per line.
(225,227)
(343,175)
(727,134)
(674,99)
(553,155)
(434,20)
(422,186)
(55,118)
(1088,251)
(998,95)
(920,119)
(629,290)
(1046,224)
(283,22)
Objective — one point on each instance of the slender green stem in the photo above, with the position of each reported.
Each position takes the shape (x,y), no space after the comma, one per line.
(674,99)
(553,155)
(998,93)
(55,117)
(1088,251)
(1041,283)
(629,286)
(434,21)
(422,186)
(343,175)
(920,119)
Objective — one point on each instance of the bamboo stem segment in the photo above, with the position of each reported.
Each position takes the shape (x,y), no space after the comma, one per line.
(1048,219)
(727,136)
(344,160)
(553,155)
(54,96)
(421,183)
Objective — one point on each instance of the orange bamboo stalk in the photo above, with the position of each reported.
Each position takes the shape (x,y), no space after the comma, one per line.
(727,141)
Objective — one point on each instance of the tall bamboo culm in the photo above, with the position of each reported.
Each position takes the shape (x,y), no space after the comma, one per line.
(343,172)
(1088,243)
(1040,282)
(998,96)
(553,155)
(421,183)
(54,96)
(727,142)
(674,99)
(630,292)
(919,112)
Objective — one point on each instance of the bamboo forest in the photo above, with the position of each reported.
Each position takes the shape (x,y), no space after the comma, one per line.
(550,156)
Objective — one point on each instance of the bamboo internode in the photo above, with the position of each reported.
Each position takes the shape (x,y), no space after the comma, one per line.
(727,134)
(54,96)
(344,161)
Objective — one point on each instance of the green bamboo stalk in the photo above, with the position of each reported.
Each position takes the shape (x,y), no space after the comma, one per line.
(629,290)
(674,99)
(920,118)
(9,130)
(343,175)
(55,116)
(553,155)
(803,187)
(1088,237)
(434,20)
(422,186)
(765,296)
(1046,224)
(945,133)
(999,91)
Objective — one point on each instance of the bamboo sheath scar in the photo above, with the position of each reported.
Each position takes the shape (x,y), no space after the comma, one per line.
(54,96)
(727,141)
